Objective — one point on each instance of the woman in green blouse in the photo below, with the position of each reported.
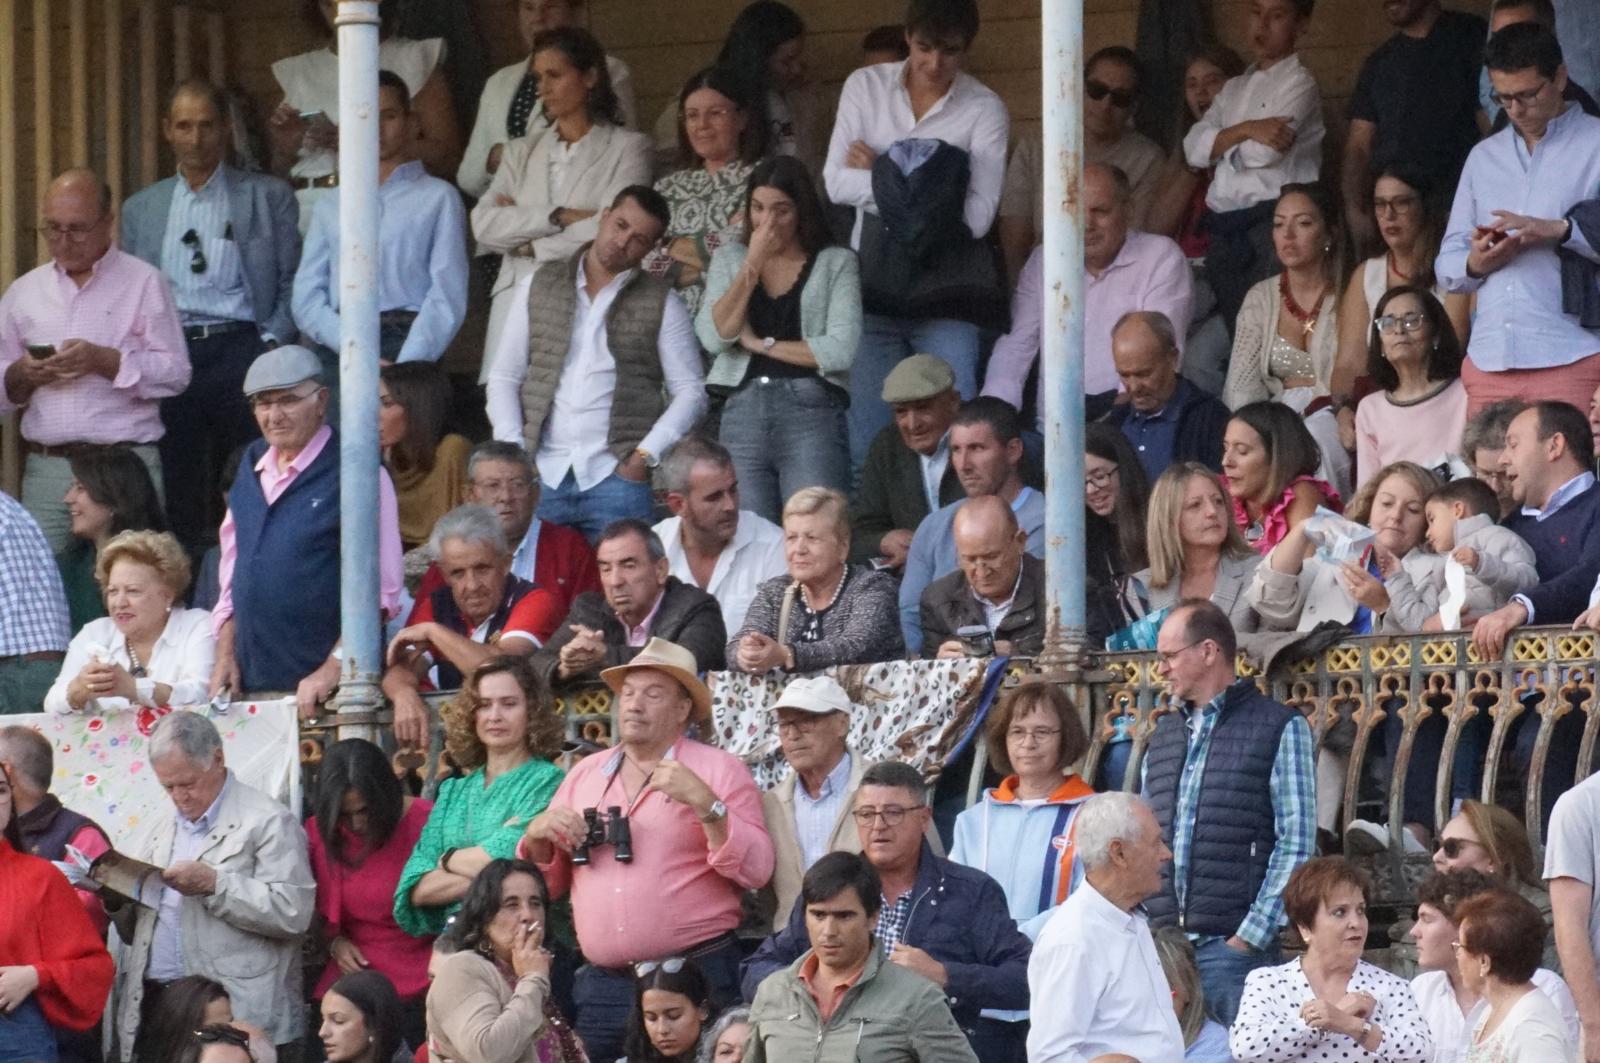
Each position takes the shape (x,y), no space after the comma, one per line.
(503,731)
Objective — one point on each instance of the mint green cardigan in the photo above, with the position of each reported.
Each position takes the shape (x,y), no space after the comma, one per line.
(830,315)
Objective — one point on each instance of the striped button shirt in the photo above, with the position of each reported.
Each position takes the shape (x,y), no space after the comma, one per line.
(814,817)
(125,304)
(200,233)
(33,607)
(1294,801)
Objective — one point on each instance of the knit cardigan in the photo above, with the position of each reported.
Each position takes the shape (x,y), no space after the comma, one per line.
(1249,378)
(859,628)
(830,315)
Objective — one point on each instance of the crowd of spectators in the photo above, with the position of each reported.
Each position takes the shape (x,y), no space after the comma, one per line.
(753,395)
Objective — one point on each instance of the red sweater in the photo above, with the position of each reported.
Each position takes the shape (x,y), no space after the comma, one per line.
(43,925)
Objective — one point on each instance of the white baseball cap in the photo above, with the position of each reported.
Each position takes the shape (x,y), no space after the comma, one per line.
(817,694)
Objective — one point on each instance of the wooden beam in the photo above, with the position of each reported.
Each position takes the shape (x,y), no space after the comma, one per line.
(216,47)
(78,62)
(116,136)
(149,94)
(44,108)
(182,42)
(10,222)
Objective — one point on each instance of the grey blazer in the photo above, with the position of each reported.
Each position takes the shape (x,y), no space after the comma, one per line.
(1233,580)
(266,224)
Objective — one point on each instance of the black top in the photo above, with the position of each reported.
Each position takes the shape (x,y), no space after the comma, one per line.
(777,316)
(1422,94)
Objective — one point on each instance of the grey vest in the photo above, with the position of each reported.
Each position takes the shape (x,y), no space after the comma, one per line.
(1234,828)
(633,327)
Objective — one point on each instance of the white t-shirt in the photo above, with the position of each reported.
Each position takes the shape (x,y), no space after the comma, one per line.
(1571,849)
(1452,1030)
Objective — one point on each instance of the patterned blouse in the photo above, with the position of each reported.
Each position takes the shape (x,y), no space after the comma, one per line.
(1269,1029)
(1264,534)
(709,209)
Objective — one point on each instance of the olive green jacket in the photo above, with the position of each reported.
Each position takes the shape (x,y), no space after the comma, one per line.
(890,1015)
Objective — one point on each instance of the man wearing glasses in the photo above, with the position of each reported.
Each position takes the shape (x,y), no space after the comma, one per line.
(942,920)
(1230,778)
(277,612)
(90,344)
(1511,237)
(227,240)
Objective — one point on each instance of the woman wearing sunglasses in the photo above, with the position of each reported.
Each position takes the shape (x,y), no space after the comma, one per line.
(671,1008)
(490,1001)
(1489,839)
(1414,357)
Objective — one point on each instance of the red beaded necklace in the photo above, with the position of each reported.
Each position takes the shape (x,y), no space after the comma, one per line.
(1307,318)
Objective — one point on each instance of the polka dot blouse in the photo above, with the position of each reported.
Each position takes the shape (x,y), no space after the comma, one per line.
(1269,1028)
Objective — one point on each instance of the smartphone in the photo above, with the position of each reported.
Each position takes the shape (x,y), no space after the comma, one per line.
(976,640)
(41,350)
(313,116)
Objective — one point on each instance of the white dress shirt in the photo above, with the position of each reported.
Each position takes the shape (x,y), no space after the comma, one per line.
(1099,964)
(875,108)
(1250,172)
(752,556)
(182,659)
(1452,1029)
(576,429)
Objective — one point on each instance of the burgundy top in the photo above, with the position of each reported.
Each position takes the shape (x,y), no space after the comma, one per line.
(358,904)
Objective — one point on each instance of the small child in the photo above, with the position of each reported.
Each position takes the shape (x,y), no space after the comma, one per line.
(1461,526)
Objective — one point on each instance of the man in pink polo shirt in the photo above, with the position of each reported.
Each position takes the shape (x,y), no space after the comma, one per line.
(697,843)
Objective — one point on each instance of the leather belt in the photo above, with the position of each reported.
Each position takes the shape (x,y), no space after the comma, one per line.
(302,183)
(71,450)
(218,328)
(41,656)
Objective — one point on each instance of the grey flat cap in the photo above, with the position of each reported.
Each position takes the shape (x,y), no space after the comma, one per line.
(282,367)
(921,376)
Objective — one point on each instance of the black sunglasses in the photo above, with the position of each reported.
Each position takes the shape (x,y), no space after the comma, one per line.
(191,240)
(1451,847)
(1121,99)
(219,1034)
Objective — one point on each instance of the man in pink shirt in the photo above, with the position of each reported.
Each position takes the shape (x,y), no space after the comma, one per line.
(277,612)
(90,343)
(698,842)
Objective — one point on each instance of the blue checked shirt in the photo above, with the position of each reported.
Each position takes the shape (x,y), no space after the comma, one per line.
(814,817)
(892,919)
(1294,804)
(33,607)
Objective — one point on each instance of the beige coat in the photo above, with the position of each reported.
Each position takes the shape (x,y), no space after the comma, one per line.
(246,935)
(474,1016)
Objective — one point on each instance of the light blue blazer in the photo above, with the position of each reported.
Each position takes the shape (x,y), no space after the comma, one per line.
(266,224)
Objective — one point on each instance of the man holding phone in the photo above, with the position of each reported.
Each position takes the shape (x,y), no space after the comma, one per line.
(90,344)
(991,604)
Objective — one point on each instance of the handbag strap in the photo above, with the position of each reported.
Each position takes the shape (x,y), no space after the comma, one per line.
(783,612)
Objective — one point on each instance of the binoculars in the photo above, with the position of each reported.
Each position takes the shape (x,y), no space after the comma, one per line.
(605,828)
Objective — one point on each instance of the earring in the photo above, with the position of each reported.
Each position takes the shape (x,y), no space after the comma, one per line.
(1326,248)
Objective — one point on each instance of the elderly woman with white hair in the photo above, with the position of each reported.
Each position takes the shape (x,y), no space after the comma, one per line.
(825,611)
(149,650)
(236,895)
(1097,950)
(724,1040)
(482,611)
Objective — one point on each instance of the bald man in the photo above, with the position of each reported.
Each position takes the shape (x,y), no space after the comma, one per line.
(1127,270)
(89,346)
(228,241)
(1165,417)
(997,589)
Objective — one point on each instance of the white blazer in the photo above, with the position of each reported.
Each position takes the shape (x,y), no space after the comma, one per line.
(495,105)
(603,163)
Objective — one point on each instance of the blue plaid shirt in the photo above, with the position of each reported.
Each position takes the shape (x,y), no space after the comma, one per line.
(33,607)
(1294,804)
(892,919)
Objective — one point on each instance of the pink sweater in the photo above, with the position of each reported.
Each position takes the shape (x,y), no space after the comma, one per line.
(1424,432)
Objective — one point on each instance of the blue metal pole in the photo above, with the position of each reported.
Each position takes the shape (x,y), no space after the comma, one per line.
(1062,354)
(361,625)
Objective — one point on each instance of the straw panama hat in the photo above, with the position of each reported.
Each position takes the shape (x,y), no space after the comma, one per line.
(659,655)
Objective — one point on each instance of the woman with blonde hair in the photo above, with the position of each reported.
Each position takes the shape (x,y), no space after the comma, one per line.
(1204,1039)
(1489,839)
(504,733)
(824,611)
(1196,550)
(149,651)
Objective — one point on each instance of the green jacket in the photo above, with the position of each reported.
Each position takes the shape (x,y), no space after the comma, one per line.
(889,1016)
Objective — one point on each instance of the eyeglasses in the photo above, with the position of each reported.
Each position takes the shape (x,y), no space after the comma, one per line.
(670,965)
(1410,321)
(1166,657)
(805,725)
(283,402)
(54,231)
(1396,205)
(1038,737)
(1451,847)
(890,814)
(710,114)
(1524,98)
(516,487)
(1456,947)
(1121,99)
(218,1034)
(197,261)
(1100,477)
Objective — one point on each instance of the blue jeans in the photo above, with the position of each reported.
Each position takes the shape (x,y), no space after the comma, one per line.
(25,1037)
(1222,974)
(785,434)
(884,342)
(590,511)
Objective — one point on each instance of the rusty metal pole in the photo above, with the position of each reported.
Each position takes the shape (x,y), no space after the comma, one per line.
(1062,347)
(361,628)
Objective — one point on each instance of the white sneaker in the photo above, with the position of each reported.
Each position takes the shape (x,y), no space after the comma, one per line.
(1363,837)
